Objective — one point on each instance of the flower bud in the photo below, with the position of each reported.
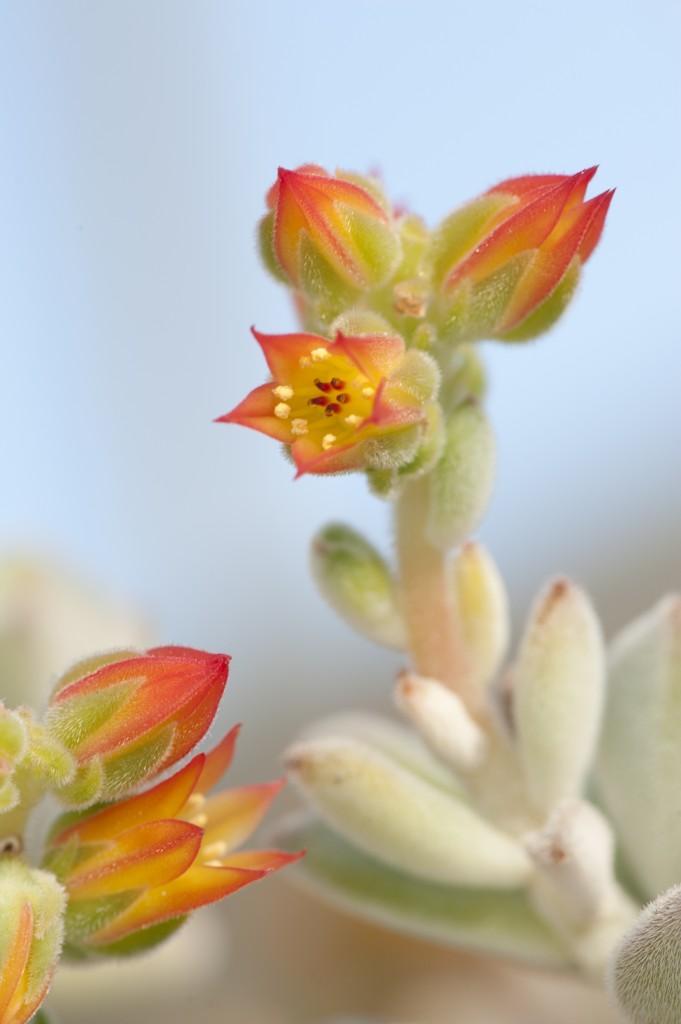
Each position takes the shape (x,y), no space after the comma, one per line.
(353,403)
(31,929)
(329,235)
(507,264)
(126,720)
(358,584)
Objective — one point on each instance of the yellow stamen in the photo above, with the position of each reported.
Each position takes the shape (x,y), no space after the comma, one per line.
(214,851)
(283,391)
(319,355)
(299,427)
(328,441)
(195,802)
(282,411)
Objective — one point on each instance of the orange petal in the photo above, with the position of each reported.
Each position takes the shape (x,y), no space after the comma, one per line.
(164,800)
(257,412)
(149,854)
(217,761)
(374,355)
(13,972)
(523,229)
(553,259)
(283,352)
(195,888)
(234,814)
(263,860)
(593,233)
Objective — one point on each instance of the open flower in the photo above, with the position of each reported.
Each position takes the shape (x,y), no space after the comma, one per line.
(126,716)
(136,868)
(508,262)
(324,231)
(358,401)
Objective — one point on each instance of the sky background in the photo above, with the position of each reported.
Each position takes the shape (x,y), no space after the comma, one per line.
(139,139)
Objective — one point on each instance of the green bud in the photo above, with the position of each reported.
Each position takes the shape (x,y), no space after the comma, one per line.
(358,584)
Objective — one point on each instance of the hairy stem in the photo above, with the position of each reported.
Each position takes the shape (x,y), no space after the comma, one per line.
(426,597)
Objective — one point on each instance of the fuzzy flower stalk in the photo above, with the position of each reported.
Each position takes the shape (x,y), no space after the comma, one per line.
(512,812)
(142,842)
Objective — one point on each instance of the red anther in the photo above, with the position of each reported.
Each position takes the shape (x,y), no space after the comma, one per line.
(322,384)
(332,409)
(337,384)
(343,398)
(319,400)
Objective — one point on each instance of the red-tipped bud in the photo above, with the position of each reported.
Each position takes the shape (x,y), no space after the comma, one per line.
(125,719)
(327,234)
(507,263)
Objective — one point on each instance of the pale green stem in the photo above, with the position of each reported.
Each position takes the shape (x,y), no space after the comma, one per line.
(426,597)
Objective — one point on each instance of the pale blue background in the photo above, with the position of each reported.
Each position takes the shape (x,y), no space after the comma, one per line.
(138,139)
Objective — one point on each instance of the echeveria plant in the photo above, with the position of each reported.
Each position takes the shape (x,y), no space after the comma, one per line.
(527,808)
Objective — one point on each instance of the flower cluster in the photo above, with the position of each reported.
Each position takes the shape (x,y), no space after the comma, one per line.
(390,310)
(123,867)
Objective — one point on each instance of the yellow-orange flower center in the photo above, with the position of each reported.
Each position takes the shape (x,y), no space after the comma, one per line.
(327,402)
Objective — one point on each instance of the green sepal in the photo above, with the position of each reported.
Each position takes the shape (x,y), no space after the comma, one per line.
(92,663)
(76,719)
(472,312)
(461,231)
(9,794)
(122,772)
(378,245)
(550,310)
(487,921)
(84,918)
(358,584)
(138,942)
(13,736)
(320,282)
(85,787)
(266,247)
